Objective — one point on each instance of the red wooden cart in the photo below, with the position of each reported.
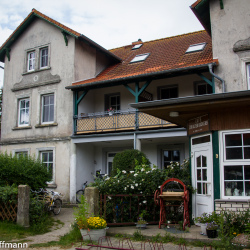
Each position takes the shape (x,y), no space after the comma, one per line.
(165,195)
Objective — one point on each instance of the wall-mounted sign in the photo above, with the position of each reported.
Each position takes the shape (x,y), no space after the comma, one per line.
(198,125)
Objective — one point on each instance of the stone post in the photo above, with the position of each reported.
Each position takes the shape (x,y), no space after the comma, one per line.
(23,205)
(91,195)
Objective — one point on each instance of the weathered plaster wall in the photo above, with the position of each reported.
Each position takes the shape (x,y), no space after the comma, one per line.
(38,34)
(229,26)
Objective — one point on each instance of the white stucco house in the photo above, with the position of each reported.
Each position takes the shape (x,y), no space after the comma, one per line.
(75,104)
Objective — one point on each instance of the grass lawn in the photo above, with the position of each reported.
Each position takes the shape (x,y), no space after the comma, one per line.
(11,231)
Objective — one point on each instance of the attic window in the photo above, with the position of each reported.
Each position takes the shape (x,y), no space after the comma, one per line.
(196,47)
(139,58)
(137,46)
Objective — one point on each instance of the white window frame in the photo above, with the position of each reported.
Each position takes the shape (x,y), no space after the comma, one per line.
(39,155)
(43,107)
(19,112)
(46,56)
(18,151)
(231,162)
(196,47)
(248,74)
(140,58)
(31,61)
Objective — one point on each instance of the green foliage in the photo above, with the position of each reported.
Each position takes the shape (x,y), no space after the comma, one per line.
(23,170)
(128,159)
(37,212)
(138,236)
(8,193)
(231,223)
(81,214)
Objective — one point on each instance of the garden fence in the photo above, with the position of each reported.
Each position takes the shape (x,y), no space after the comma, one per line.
(124,209)
(8,211)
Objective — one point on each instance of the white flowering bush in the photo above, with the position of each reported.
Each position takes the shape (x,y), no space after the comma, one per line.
(142,181)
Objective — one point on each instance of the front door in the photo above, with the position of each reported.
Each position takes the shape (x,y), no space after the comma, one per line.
(110,158)
(202,174)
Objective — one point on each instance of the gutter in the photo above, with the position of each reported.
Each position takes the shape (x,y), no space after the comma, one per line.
(192,99)
(210,66)
(131,79)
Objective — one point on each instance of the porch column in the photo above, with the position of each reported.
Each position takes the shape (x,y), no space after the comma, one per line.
(72,173)
(137,142)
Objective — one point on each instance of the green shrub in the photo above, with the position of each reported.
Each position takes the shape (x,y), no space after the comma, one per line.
(23,170)
(128,159)
(37,211)
(8,193)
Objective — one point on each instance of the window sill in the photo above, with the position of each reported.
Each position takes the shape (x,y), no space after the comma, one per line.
(241,199)
(51,185)
(21,128)
(46,125)
(35,71)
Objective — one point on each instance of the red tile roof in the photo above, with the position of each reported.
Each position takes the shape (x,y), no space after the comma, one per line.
(165,54)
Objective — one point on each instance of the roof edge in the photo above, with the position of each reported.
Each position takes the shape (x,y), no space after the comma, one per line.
(35,13)
(130,78)
(196,8)
(191,99)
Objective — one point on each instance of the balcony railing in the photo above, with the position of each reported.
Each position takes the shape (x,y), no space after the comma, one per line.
(116,121)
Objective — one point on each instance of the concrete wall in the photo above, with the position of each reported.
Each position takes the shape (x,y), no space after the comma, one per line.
(84,164)
(229,26)
(61,68)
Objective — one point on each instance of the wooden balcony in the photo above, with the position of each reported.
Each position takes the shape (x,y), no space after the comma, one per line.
(117,121)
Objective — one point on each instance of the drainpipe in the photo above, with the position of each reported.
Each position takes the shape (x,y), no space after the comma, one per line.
(210,66)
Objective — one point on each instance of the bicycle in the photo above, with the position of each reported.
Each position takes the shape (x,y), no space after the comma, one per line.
(52,200)
(80,192)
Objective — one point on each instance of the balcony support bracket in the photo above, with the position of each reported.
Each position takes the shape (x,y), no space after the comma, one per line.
(77,100)
(137,92)
(208,81)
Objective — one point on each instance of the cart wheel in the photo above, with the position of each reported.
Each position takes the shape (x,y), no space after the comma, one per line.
(157,197)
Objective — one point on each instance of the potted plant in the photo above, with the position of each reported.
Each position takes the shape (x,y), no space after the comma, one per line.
(141,223)
(91,228)
(111,111)
(205,219)
(202,221)
(212,230)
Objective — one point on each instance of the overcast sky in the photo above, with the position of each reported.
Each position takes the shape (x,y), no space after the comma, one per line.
(110,23)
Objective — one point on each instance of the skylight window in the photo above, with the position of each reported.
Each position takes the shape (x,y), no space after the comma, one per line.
(137,46)
(196,47)
(139,58)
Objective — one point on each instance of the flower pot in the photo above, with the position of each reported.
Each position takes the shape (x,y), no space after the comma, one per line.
(93,234)
(211,233)
(203,229)
(141,226)
(111,112)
